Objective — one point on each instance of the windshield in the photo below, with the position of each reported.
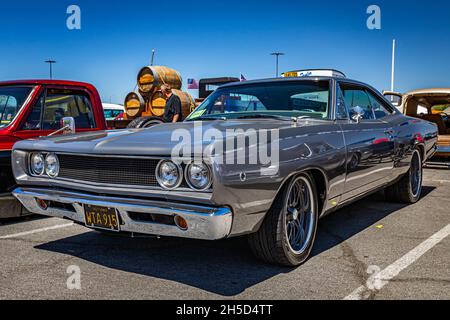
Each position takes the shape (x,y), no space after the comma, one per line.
(276,99)
(11,100)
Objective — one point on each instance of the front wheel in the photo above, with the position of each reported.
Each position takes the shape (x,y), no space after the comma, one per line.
(409,188)
(287,234)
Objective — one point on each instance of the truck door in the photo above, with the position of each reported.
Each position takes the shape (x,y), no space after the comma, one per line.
(369,140)
(54,104)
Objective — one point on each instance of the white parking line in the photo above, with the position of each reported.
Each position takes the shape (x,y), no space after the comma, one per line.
(394,269)
(17,235)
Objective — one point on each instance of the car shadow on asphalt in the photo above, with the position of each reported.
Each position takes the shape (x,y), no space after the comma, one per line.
(353,219)
(224,267)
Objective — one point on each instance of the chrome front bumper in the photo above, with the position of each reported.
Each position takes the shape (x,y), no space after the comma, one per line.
(205,223)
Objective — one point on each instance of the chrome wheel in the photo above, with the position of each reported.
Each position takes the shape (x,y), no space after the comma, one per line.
(300,215)
(416,174)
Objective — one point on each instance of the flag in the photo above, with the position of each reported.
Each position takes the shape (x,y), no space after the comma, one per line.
(192,84)
(242,78)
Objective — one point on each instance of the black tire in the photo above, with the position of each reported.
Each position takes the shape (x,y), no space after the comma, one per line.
(144,122)
(405,190)
(271,243)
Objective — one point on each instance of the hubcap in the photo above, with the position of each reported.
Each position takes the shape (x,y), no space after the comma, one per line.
(416,175)
(300,215)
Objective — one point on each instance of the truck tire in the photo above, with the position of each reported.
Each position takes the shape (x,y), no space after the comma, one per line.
(287,234)
(144,122)
(409,188)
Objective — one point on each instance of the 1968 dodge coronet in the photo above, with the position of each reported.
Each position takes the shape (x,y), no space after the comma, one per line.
(263,158)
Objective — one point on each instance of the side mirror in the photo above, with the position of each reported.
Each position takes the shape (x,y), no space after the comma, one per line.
(68,124)
(357,114)
(67,127)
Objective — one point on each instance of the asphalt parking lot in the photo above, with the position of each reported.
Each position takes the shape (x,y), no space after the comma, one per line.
(409,244)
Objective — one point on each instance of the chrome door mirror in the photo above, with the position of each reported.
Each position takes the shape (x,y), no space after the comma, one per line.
(67,126)
(357,114)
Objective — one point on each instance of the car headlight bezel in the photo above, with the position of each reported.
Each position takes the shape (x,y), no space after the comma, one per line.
(160,179)
(33,171)
(187,176)
(48,171)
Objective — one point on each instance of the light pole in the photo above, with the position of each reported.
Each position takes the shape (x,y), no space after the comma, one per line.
(393,65)
(50,62)
(153,57)
(277,55)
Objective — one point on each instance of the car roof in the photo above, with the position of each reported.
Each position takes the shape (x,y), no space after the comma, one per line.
(429,91)
(291,79)
(47,82)
(113,106)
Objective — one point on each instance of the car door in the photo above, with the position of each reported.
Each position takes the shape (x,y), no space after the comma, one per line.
(369,140)
(53,104)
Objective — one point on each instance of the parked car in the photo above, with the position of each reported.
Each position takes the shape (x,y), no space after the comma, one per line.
(426,104)
(112,111)
(34,108)
(339,141)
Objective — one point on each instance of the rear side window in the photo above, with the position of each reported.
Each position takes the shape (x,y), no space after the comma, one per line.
(55,104)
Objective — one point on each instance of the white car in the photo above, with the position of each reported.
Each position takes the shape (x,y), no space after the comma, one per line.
(112,110)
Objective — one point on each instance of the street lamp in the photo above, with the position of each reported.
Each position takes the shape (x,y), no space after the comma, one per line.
(50,62)
(277,55)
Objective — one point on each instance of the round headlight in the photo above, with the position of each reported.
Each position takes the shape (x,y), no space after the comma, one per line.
(169,174)
(198,176)
(37,164)
(52,165)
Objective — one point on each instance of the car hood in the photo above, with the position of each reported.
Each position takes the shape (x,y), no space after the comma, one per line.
(157,140)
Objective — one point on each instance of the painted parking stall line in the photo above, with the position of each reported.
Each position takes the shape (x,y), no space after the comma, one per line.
(401,264)
(26,233)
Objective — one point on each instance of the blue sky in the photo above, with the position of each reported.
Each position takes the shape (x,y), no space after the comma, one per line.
(223,38)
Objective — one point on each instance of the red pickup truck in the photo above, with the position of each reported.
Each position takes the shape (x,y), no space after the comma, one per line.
(34,108)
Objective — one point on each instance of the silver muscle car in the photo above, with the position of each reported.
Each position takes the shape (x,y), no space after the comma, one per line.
(262,158)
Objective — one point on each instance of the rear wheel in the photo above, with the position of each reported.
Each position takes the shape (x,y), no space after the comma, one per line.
(409,188)
(287,234)
(144,122)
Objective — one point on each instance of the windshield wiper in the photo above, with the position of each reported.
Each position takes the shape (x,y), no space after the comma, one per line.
(264,116)
(208,119)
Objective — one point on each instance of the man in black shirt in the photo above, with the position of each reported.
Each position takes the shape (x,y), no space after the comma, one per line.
(172,112)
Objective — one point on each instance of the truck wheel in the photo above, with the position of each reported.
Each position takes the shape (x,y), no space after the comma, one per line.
(144,122)
(287,234)
(409,188)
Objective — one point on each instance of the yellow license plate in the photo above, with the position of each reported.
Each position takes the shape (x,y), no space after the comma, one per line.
(101,218)
(291,74)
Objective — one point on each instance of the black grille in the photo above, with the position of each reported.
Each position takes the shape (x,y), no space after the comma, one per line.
(119,171)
